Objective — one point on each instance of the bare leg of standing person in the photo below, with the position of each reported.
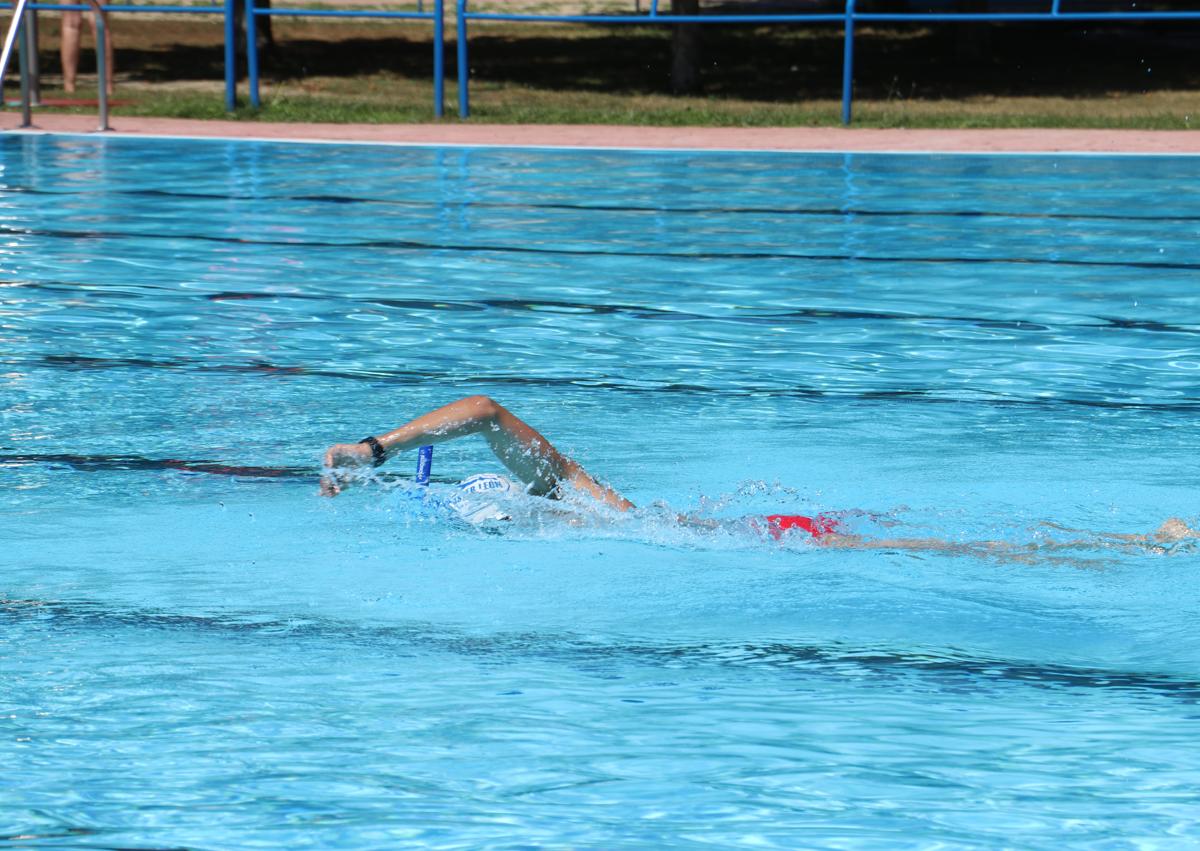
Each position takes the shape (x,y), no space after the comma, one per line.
(72,26)
(69,48)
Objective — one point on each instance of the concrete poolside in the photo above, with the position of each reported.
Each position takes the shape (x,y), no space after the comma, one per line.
(608,136)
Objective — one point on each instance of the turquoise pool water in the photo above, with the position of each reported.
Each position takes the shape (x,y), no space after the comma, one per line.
(198,651)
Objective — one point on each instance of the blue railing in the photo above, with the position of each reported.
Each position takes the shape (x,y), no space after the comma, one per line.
(848,18)
(226,9)
(436,17)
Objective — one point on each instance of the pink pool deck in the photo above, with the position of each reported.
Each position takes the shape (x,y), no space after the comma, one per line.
(603,136)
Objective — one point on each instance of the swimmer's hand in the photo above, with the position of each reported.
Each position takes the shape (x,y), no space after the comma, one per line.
(339,456)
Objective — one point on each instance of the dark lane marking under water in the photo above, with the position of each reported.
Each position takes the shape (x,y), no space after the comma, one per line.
(608,208)
(102,463)
(951,670)
(422,378)
(805,316)
(99,463)
(415,245)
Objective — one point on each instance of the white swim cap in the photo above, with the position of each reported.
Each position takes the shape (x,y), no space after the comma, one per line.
(474,503)
(488,483)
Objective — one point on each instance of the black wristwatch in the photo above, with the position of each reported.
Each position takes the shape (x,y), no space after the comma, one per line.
(377,452)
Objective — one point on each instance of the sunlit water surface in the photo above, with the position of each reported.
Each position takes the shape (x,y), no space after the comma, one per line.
(198,651)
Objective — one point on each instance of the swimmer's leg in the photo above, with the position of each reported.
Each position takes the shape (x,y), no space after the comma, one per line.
(1172,531)
(1000,551)
(520,447)
(837,540)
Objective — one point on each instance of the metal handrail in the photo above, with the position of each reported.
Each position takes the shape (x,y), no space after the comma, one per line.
(101,61)
(226,10)
(18,24)
(11,39)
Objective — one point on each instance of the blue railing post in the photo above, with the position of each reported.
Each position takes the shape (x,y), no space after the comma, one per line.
(252,54)
(464,98)
(1054,7)
(848,65)
(230,58)
(439,58)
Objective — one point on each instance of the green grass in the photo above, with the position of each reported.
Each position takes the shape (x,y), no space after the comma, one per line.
(1162,111)
(917,77)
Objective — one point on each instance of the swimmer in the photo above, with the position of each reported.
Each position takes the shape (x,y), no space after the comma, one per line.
(527,455)
(547,472)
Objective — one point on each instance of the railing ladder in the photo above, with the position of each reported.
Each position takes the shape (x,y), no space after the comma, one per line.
(35,71)
(10,40)
(26,100)
(101,62)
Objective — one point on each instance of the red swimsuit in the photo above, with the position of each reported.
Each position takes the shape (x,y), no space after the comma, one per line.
(818,526)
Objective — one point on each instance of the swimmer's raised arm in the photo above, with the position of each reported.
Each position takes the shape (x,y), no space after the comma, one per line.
(525,452)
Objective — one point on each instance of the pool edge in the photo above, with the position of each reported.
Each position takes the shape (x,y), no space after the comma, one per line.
(594,137)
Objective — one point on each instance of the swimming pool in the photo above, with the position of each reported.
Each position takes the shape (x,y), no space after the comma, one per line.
(200,652)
